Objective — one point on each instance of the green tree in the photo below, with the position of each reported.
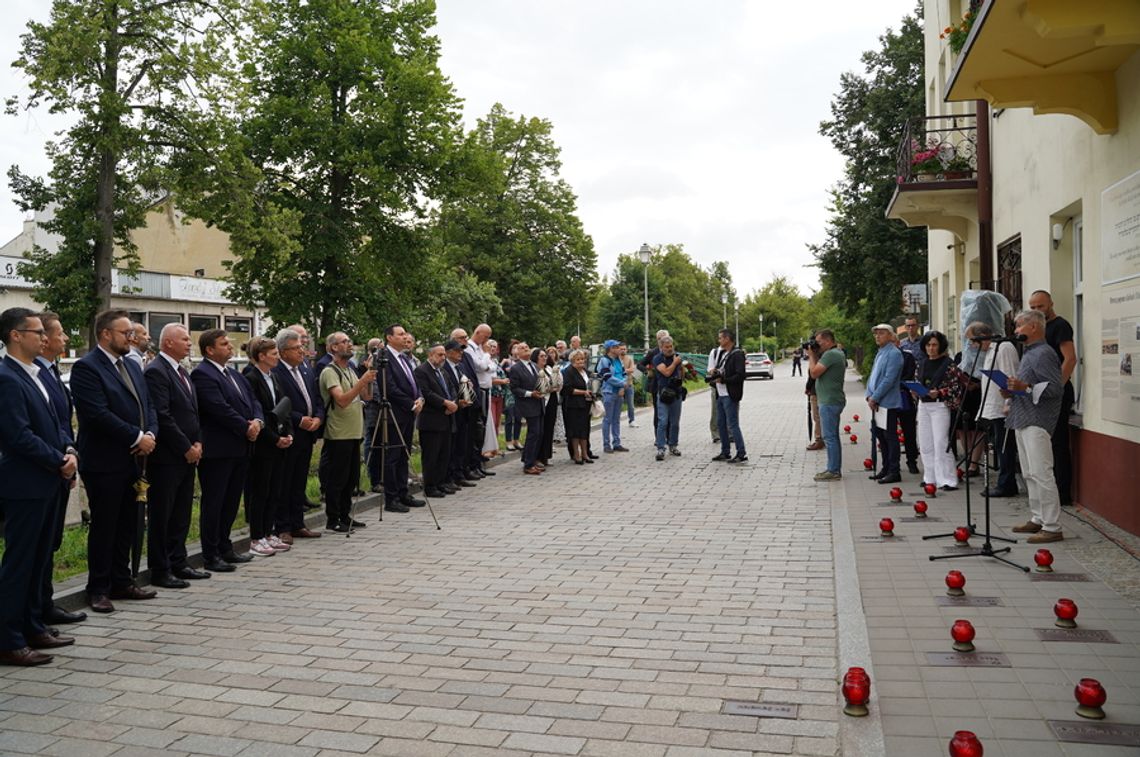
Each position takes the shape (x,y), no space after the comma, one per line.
(511,220)
(866,258)
(141,81)
(785,312)
(351,124)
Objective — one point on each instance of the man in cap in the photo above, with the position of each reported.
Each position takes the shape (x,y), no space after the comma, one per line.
(884,399)
(612,373)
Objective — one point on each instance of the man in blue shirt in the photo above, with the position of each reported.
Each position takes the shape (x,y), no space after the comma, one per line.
(884,399)
(612,374)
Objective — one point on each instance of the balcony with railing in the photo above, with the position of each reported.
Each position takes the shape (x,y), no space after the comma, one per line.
(937,170)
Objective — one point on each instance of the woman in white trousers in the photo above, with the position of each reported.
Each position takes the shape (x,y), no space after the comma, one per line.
(943,381)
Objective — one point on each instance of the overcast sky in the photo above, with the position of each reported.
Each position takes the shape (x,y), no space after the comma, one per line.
(679,122)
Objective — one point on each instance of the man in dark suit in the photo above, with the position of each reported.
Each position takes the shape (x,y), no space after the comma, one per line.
(436,421)
(729,374)
(231,421)
(458,469)
(171,467)
(33,463)
(117,431)
(299,384)
(405,401)
(54,345)
(524,379)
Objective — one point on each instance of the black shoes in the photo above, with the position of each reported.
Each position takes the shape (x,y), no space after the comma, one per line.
(189,574)
(233,558)
(888,479)
(57,614)
(620,448)
(722,456)
(948,488)
(218,565)
(739,459)
(998,493)
(434,493)
(462,482)
(165,580)
(912,468)
(395,507)
(409,501)
(486,472)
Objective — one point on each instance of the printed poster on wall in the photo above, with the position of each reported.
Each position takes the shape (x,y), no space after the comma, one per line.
(1120,230)
(1120,356)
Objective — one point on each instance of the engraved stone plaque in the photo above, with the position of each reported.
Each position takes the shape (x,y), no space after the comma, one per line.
(967,660)
(969,601)
(1087,635)
(912,519)
(957,549)
(1059,577)
(887,539)
(761,709)
(1085,732)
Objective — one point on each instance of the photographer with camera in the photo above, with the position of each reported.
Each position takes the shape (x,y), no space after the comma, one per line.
(670,396)
(727,382)
(827,365)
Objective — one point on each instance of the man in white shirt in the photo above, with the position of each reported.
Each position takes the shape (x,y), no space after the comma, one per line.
(1001,356)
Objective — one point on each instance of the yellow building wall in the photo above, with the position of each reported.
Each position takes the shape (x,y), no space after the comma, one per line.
(170,245)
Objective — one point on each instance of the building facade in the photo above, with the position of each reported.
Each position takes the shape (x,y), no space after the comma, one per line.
(1026,173)
(180,281)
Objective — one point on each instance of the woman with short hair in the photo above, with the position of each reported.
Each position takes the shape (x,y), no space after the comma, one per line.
(944,384)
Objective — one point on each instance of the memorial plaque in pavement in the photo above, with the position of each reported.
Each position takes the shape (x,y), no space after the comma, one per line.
(967,660)
(761,709)
(957,549)
(912,519)
(1059,577)
(882,538)
(1084,732)
(968,601)
(1088,635)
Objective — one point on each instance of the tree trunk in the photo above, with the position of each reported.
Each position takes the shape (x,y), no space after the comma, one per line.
(104,242)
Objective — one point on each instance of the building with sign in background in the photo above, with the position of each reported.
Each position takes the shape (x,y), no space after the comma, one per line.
(1034,129)
(180,278)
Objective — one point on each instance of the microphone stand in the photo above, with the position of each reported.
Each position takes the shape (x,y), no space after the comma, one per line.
(987,549)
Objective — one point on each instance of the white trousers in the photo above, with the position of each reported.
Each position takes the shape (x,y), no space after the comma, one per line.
(1035,445)
(938,466)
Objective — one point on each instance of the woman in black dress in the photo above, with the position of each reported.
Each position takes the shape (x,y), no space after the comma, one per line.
(576,402)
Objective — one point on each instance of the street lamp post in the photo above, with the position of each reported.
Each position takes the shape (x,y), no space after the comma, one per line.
(762,332)
(645,254)
(736,306)
(724,309)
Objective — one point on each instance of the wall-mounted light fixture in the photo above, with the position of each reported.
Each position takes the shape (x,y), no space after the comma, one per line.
(1057,235)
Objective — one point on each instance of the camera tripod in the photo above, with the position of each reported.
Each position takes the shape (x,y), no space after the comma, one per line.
(987,548)
(384,418)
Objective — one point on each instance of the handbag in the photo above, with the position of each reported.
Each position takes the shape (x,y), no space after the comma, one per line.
(668,395)
(597,409)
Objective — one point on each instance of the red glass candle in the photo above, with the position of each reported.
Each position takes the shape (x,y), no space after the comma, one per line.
(1044,560)
(854,439)
(847,429)
(965,744)
(961,473)
(856,692)
(1066,612)
(963,634)
(856,417)
(887,527)
(962,535)
(868,463)
(896,494)
(902,439)
(1091,697)
(920,508)
(930,489)
(954,583)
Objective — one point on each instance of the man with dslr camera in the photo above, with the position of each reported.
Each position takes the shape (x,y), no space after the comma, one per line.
(827,365)
(727,381)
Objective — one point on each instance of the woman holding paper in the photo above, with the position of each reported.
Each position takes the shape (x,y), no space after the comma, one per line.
(943,384)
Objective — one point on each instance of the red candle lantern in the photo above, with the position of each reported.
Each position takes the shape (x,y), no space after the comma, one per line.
(962,535)
(965,744)
(920,508)
(868,463)
(856,692)
(930,489)
(954,583)
(854,439)
(1091,697)
(887,527)
(1044,560)
(961,474)
(963,634)
(902,439)
(1066,612)
(856,417)
(847,429)
(896,494)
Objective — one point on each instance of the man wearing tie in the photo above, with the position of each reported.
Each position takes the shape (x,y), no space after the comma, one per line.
(33,464)
(117,431)
(435,422)
(175,458)
(231,421)
(299,384)
(524,380)
(54,344)
(404,401)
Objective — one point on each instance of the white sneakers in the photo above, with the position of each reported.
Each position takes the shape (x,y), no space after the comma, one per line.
(276,543)
(268,546)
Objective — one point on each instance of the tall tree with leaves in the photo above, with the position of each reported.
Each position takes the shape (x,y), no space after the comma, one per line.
(350,122)
(867,258)
(136,77)
(511,220)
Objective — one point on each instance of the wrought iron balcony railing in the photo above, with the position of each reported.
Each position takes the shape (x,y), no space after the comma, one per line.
(937,149)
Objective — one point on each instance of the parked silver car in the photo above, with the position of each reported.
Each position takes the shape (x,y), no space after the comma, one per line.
(758,364)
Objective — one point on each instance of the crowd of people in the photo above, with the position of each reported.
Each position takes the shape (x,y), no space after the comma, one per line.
(1011,394)
(150,426)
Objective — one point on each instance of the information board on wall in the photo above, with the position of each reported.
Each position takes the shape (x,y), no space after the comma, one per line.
(1120,230)
(1120,355)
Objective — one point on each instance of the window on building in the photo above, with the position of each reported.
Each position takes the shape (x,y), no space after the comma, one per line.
(137,316)
(199,323)
(1009,277)
(155,322)
(239,326)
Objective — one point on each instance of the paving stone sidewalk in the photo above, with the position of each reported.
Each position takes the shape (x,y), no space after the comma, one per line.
(609,609)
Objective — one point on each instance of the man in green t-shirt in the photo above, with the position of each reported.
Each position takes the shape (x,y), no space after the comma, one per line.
(344,396)
(827,365)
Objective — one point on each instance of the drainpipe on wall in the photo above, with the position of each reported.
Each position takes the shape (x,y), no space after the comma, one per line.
(985,198)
